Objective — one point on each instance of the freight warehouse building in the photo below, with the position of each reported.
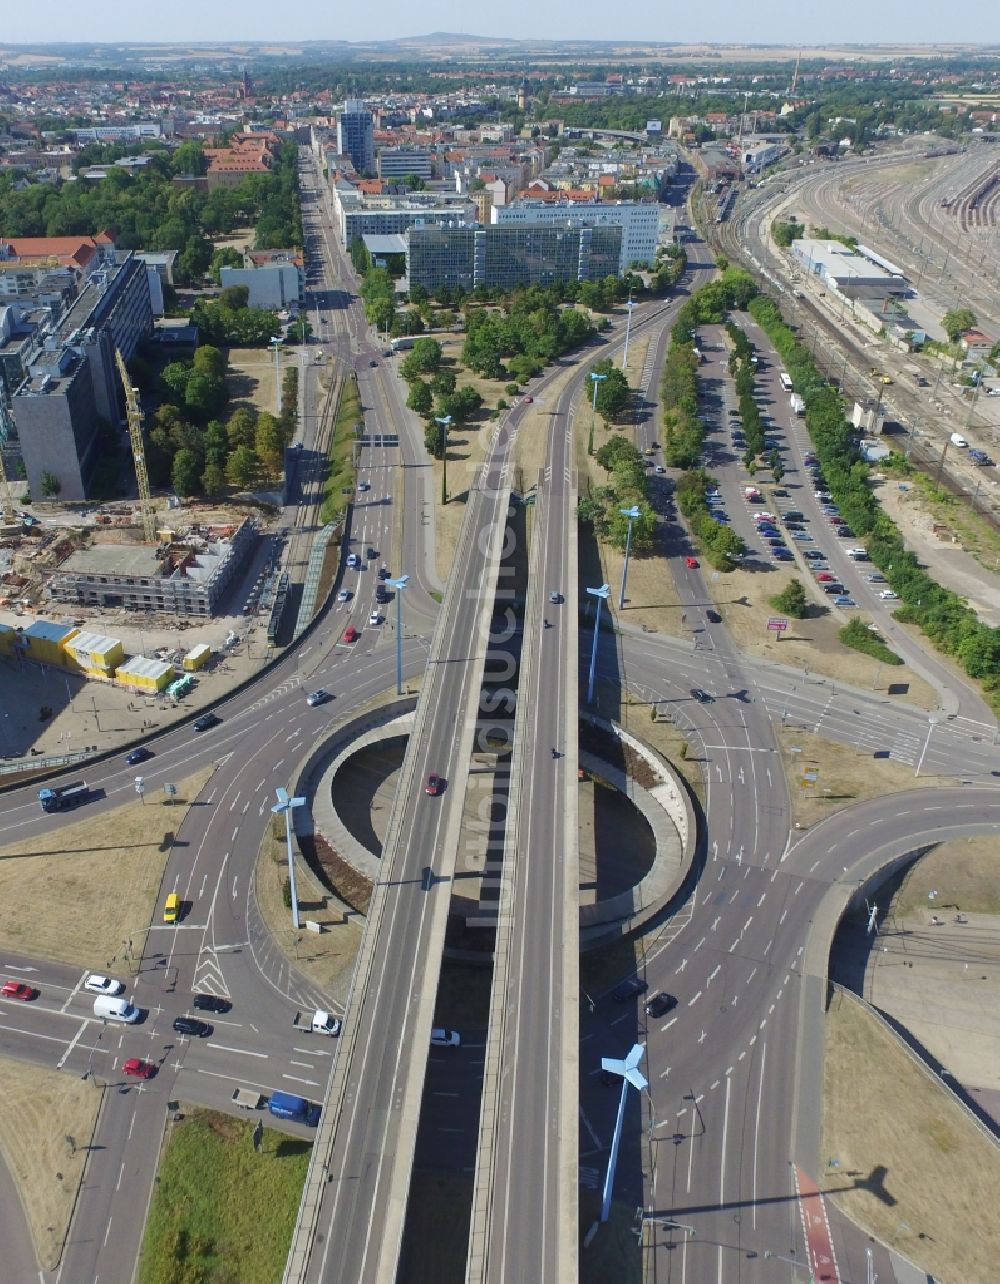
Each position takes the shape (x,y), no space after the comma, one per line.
(853,274)
(185,578)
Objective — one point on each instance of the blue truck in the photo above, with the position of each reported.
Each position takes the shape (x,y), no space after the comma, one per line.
(285,1105)
(63,799)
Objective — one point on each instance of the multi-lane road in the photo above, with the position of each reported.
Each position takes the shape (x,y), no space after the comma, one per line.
(725,1135)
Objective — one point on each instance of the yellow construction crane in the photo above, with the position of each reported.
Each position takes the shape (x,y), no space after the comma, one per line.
(7,509)
(134,416)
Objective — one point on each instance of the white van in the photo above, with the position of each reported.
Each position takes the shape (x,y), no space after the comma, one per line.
(958,440)
(109,1009)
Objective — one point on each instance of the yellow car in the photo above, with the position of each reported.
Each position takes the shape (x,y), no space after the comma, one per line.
(172,908)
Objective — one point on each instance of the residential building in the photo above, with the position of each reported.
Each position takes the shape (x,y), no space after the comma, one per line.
(356,136)
(502,257)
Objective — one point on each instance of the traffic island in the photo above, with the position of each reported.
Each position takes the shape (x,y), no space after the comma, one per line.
(626,788)
(44,1141)
(222,1207)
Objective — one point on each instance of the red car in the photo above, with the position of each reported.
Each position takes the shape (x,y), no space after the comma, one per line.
(691,562)
(138,1068)
(351,634)
(18,990)
(434,785)
(528,400)
(825,577)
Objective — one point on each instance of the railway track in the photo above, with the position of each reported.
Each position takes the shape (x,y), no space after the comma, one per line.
(840,348)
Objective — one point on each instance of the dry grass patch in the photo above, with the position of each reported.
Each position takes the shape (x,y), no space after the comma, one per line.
(846,775)
(250,377)
(812,645)
(47,1121)
(913,1168)
(963,871)
(64,875)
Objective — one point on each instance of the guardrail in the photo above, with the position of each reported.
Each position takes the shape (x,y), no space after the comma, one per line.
(24,766)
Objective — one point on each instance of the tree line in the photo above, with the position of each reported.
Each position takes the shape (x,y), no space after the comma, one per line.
(149,210)
(943,617)
(198,445)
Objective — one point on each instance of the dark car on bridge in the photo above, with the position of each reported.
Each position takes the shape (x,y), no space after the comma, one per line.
(630,988)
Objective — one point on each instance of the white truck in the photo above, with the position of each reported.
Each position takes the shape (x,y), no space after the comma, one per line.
(797,404)
(319,1022)
(248,1099)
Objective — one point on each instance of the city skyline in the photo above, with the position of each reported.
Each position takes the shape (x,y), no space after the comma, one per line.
(783,23)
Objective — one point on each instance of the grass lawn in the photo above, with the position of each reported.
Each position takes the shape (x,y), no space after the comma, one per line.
(846,775)
(964,873)
(46,1121)
(220,1212)
(913,1168)
(340,473)
(64,875)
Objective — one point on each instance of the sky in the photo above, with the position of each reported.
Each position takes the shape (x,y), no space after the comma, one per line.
(738,21)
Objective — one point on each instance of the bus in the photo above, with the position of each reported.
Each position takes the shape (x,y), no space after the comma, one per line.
(786,381)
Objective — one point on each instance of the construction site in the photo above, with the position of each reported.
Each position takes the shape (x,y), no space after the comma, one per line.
(113,616)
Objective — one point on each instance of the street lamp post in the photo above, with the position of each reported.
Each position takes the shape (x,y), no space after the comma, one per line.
(627,1068)
(602,596)
(631,513)
(593,409)
(399,584)
(285,804)
(628,326)
(445,422)
(276,343)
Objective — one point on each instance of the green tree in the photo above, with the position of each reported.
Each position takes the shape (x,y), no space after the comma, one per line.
(443,383)
(423,358)
(225,256)
(269,443)
(957,321)
(189,159)
(51,485)
(211,361)
(241,427)
(434,438)
(241,467)
(420,399)
(185,475)
(792,601)
(213,479)
(205,395)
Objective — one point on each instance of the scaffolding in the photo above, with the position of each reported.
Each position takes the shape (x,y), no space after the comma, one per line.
(134,416)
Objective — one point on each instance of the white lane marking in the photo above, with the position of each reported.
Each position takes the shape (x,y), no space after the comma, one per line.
(310,1082)
(693,1001)
(244,1052)
(72,1044)
(722,1165)
(236,798)
(308,1065)
(756,1128)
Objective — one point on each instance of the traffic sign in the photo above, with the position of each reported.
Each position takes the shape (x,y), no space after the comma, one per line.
(777,625)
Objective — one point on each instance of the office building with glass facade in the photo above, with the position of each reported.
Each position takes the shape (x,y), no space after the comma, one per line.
(504,257)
